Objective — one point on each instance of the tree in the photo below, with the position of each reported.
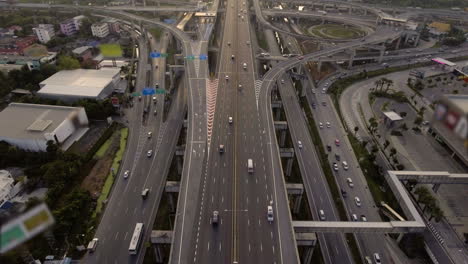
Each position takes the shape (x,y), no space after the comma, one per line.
(386,144)
(393,152)
(404,127)
(436,213)
(389,83)
(418,120)
(68,63)
(356,129)
(373,124)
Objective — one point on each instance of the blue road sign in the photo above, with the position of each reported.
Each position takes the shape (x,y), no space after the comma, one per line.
(154,55)
(148,91)
(203,57)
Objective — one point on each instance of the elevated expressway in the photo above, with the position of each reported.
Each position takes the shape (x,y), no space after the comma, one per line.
(243,234)
(275,73)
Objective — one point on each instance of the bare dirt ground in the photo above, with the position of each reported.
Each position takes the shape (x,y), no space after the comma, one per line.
(96,178)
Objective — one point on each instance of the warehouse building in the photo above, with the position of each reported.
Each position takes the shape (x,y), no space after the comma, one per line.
(31,126)
(73,85)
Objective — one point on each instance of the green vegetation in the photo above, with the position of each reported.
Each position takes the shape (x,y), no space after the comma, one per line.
(67,63)
(156,32)
(103,149)
(335,31)
(111,50)
(455,37)
(24,78)
(261,39)
(115,166)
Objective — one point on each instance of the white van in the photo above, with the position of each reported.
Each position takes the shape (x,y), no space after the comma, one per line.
(244,65)
(357,201)
(93,244)
(350,182)
(250,166)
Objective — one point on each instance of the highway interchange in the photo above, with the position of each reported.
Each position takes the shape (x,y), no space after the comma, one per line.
(214,181)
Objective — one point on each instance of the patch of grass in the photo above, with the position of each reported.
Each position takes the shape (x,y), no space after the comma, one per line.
(102,150)
(336,31)
(111,50)
(156,32)
(261,39)
(110,178)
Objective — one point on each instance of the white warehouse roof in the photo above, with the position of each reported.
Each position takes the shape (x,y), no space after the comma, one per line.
(32,121)
(79,83)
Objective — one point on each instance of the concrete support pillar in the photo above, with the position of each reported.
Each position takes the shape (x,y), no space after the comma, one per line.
(350,10)
(179,165)
(304,83)
(172,204)
(351,58)
(398,43)
(407,38)
(416,41)
(278,114)
(171,80)
(289,163)
(400,237)
(282,138)
(365,12)
(158,254)
(297,203)
(381,55)
(436,187)
(307,255)
(319,68)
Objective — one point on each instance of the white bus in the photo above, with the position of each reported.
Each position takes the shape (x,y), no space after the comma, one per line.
(136,237)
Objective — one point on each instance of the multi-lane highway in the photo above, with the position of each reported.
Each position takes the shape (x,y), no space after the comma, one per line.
(127,208)
(243,234)
(333,246)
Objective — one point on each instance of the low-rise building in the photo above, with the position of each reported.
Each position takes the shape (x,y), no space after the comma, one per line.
(33,62)
(114,25)
(31,126)
(71,26)
(84,52)
(15,45)
(44,32)
(100,30)
(73,85)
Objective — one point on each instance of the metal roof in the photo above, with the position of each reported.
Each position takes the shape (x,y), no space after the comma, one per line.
(392,116)
(80,82)
(32,121)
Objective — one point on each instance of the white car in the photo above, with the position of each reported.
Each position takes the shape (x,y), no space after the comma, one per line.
(150,134)
(299,144)
(363,218)
(126,174)
(350,182)
(149,153)
(230,120)
(345,165)
(270,213)
(335,166)
(328,124)
(227,77)
(377,258)
(320,124)
(357,201)
(282,80)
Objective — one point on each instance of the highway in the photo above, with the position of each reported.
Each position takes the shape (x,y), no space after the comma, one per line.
(121,214)
(243,233)
(333,246)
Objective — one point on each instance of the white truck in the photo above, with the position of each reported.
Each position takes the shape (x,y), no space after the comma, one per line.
(250,166)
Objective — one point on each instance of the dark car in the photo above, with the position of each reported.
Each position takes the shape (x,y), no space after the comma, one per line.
(328,147)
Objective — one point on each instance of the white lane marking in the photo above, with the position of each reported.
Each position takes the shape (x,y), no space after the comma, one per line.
(126,234)
(220,246)
(116,236)
(208,246)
